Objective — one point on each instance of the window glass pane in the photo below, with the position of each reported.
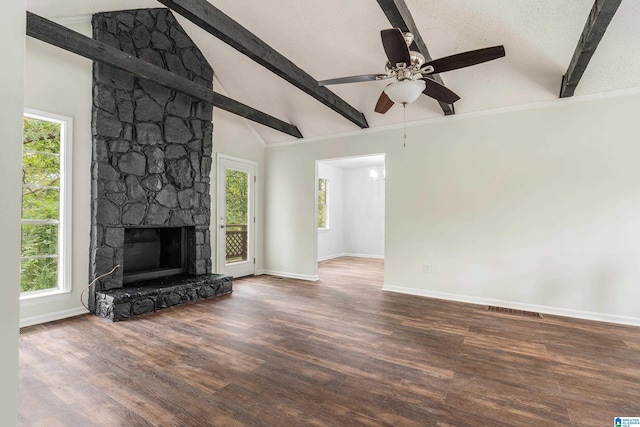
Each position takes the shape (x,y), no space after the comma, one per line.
(322,203)
(38,274)
(42,162)
(40,203)
(321,216)
(40,169)
(237,214)
(41,135)
(39,239)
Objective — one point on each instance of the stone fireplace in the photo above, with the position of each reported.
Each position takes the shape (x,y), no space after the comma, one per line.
(151,162)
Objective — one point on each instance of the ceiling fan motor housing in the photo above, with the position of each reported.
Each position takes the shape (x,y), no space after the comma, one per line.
(404,71)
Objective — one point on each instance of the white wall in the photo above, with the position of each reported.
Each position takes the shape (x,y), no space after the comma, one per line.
(233,137)
(531,208)
(364,213)
(59,82)
(12,31)
(331,240)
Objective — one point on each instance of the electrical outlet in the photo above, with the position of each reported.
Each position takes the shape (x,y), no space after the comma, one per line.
(426,268)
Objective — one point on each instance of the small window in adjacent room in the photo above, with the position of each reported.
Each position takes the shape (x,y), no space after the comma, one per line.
(46,204)
(323,204)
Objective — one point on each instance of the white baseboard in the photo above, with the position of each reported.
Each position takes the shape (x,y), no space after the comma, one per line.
(292,275)
(556,311)
(363,255)
(328,257)
(50,317)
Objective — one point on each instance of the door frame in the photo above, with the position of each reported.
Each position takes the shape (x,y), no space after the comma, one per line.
(253,199)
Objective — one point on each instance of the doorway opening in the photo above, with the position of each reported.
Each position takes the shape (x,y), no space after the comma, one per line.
(350,207)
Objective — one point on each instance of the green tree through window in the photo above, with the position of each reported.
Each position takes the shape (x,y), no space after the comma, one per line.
(237,213)
(41,149)
(237,197)
(323,211)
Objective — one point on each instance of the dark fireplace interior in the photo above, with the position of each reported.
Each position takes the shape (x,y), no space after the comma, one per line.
(151,253)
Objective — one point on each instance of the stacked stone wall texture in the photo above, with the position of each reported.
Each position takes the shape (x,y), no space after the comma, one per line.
(151,146)
(123,304)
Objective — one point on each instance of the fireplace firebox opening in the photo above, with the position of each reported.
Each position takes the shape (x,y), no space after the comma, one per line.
(151,253)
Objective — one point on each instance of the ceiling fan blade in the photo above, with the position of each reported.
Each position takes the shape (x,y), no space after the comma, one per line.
(395,47)
(383,104)
(465,59)
(353,79)
(437,91)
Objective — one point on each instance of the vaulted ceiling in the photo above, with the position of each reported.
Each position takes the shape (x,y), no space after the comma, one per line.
(335,38)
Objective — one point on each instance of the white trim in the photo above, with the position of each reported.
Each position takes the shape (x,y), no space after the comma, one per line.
(41,153)
(292,275)
(40,256)
(41,221)
(253,210)
(315,215)
(328,257)
(65,238)
(236,159)
(45,115)
(40,187)
(43,297)
(50,317)
(363,255)
(356,156)
(463,116)
(556,311)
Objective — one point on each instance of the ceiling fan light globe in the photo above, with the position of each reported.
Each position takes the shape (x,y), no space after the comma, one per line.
(405,91)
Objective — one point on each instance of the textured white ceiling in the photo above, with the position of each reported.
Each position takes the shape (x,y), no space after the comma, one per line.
(334,38)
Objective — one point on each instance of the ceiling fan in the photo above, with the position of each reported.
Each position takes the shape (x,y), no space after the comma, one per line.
(411,71)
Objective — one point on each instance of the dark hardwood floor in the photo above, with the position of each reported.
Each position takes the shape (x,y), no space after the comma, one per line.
(338,352)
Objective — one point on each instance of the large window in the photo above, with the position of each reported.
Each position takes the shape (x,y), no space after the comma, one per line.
(323,204)
(46,204)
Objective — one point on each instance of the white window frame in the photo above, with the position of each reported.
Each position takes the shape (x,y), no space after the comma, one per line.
(64,223)
(326,204)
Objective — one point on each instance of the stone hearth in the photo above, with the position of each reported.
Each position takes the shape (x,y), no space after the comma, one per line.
(154,295)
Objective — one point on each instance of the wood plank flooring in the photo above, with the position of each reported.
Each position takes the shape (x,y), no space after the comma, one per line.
(338,352)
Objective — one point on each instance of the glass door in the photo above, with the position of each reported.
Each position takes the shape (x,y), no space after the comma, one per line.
(236,218)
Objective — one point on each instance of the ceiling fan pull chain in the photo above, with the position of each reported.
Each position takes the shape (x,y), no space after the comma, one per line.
(404,124)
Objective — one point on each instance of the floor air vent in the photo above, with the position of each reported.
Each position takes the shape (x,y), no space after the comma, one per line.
(33,328)
(514,312)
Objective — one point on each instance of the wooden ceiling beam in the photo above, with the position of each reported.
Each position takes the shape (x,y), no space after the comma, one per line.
(215,22)
(599,18)
(62,37)
(399,16)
